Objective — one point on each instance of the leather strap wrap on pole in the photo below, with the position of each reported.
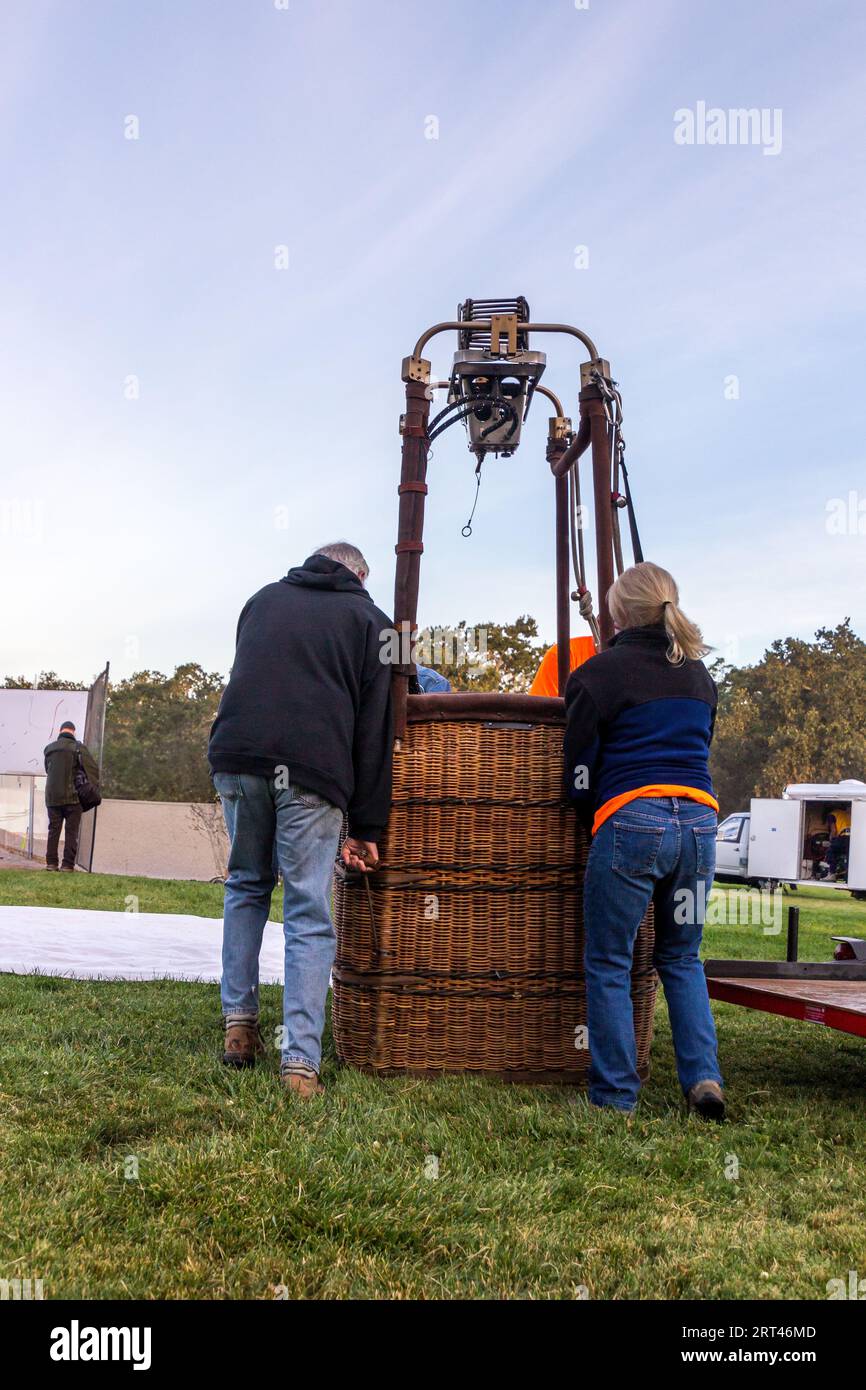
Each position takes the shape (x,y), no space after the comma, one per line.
(410,532)
(636,546)
(592,410)
(555,450)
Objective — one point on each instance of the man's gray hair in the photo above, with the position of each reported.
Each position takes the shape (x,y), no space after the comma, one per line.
(346,554)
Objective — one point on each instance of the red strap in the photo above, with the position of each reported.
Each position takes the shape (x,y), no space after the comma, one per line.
(414,431)
(413,487)
(409,547)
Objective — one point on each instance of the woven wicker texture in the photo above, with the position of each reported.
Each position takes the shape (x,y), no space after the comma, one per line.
(471,958)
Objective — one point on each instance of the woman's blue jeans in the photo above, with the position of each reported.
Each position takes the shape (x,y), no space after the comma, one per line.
(662,849)
(296,829)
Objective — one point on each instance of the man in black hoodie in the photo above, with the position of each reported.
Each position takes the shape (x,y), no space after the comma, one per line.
(302,738)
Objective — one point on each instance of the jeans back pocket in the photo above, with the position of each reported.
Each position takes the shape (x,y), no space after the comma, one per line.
(227,785)
(307,797)
(636,849)
(705,851)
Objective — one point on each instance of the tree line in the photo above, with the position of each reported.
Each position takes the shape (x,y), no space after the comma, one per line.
(794,716)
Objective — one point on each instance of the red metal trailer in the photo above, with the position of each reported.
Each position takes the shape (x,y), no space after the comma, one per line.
(831,993)
(837,1004)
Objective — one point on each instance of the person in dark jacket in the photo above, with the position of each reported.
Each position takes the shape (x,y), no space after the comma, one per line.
(61,799)
(303,737)
(640,719)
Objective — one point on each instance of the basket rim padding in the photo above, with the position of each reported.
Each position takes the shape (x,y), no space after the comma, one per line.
(485,706)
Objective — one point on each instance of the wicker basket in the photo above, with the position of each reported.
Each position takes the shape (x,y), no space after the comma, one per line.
(465,953)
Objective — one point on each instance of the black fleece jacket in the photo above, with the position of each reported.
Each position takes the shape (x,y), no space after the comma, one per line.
(309,693)
(61,764)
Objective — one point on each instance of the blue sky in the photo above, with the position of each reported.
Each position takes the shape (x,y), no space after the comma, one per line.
(266,419)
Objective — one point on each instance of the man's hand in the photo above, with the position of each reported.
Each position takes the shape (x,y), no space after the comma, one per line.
(361,855)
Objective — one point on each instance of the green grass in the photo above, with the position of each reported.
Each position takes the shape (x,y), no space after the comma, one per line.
(241,1190)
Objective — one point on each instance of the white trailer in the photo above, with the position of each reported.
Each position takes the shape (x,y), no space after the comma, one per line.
(790,840)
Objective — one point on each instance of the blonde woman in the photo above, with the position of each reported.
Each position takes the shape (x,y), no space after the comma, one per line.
(639,725)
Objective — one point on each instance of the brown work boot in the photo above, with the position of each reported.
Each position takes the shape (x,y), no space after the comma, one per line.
(707,1099)
(52,868)
(67,868)
(243,1041)
(301,1081)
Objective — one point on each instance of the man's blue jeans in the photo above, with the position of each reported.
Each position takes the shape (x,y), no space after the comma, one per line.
(665,849)
(299,831)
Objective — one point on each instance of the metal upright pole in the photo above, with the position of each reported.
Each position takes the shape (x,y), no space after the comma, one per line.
(793,933)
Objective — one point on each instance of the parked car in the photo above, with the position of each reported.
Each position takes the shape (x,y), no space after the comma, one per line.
(732,849)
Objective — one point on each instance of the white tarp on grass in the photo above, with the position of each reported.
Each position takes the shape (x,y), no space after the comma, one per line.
(85,944)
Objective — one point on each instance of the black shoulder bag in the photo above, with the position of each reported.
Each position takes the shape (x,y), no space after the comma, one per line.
(88,795)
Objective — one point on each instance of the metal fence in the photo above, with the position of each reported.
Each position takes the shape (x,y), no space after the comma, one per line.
(94,737)
(23,817)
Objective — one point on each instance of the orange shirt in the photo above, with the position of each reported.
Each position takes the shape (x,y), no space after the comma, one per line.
(662,790)
(546,679)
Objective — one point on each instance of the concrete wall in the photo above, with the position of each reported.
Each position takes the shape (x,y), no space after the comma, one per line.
(161,839)
(156,839)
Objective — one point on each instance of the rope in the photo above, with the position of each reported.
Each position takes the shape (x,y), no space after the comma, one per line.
(614,498)
(379,951)
(586,612)
(615,419)
(581,595)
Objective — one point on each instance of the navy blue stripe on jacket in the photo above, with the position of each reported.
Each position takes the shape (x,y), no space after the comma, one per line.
(634,719)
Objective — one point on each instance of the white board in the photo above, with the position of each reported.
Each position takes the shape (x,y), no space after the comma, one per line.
(774,839)
(29,719)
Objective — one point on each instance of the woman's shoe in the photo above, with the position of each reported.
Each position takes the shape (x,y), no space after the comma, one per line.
(707,1099)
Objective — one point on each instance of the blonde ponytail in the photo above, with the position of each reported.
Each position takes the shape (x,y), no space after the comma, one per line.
(645,596)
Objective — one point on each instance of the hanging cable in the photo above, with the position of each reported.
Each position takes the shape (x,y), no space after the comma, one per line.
(467,529)
(505,408)
(459,412)
(446,410)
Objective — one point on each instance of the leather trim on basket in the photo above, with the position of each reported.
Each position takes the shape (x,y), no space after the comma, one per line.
(486,706)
